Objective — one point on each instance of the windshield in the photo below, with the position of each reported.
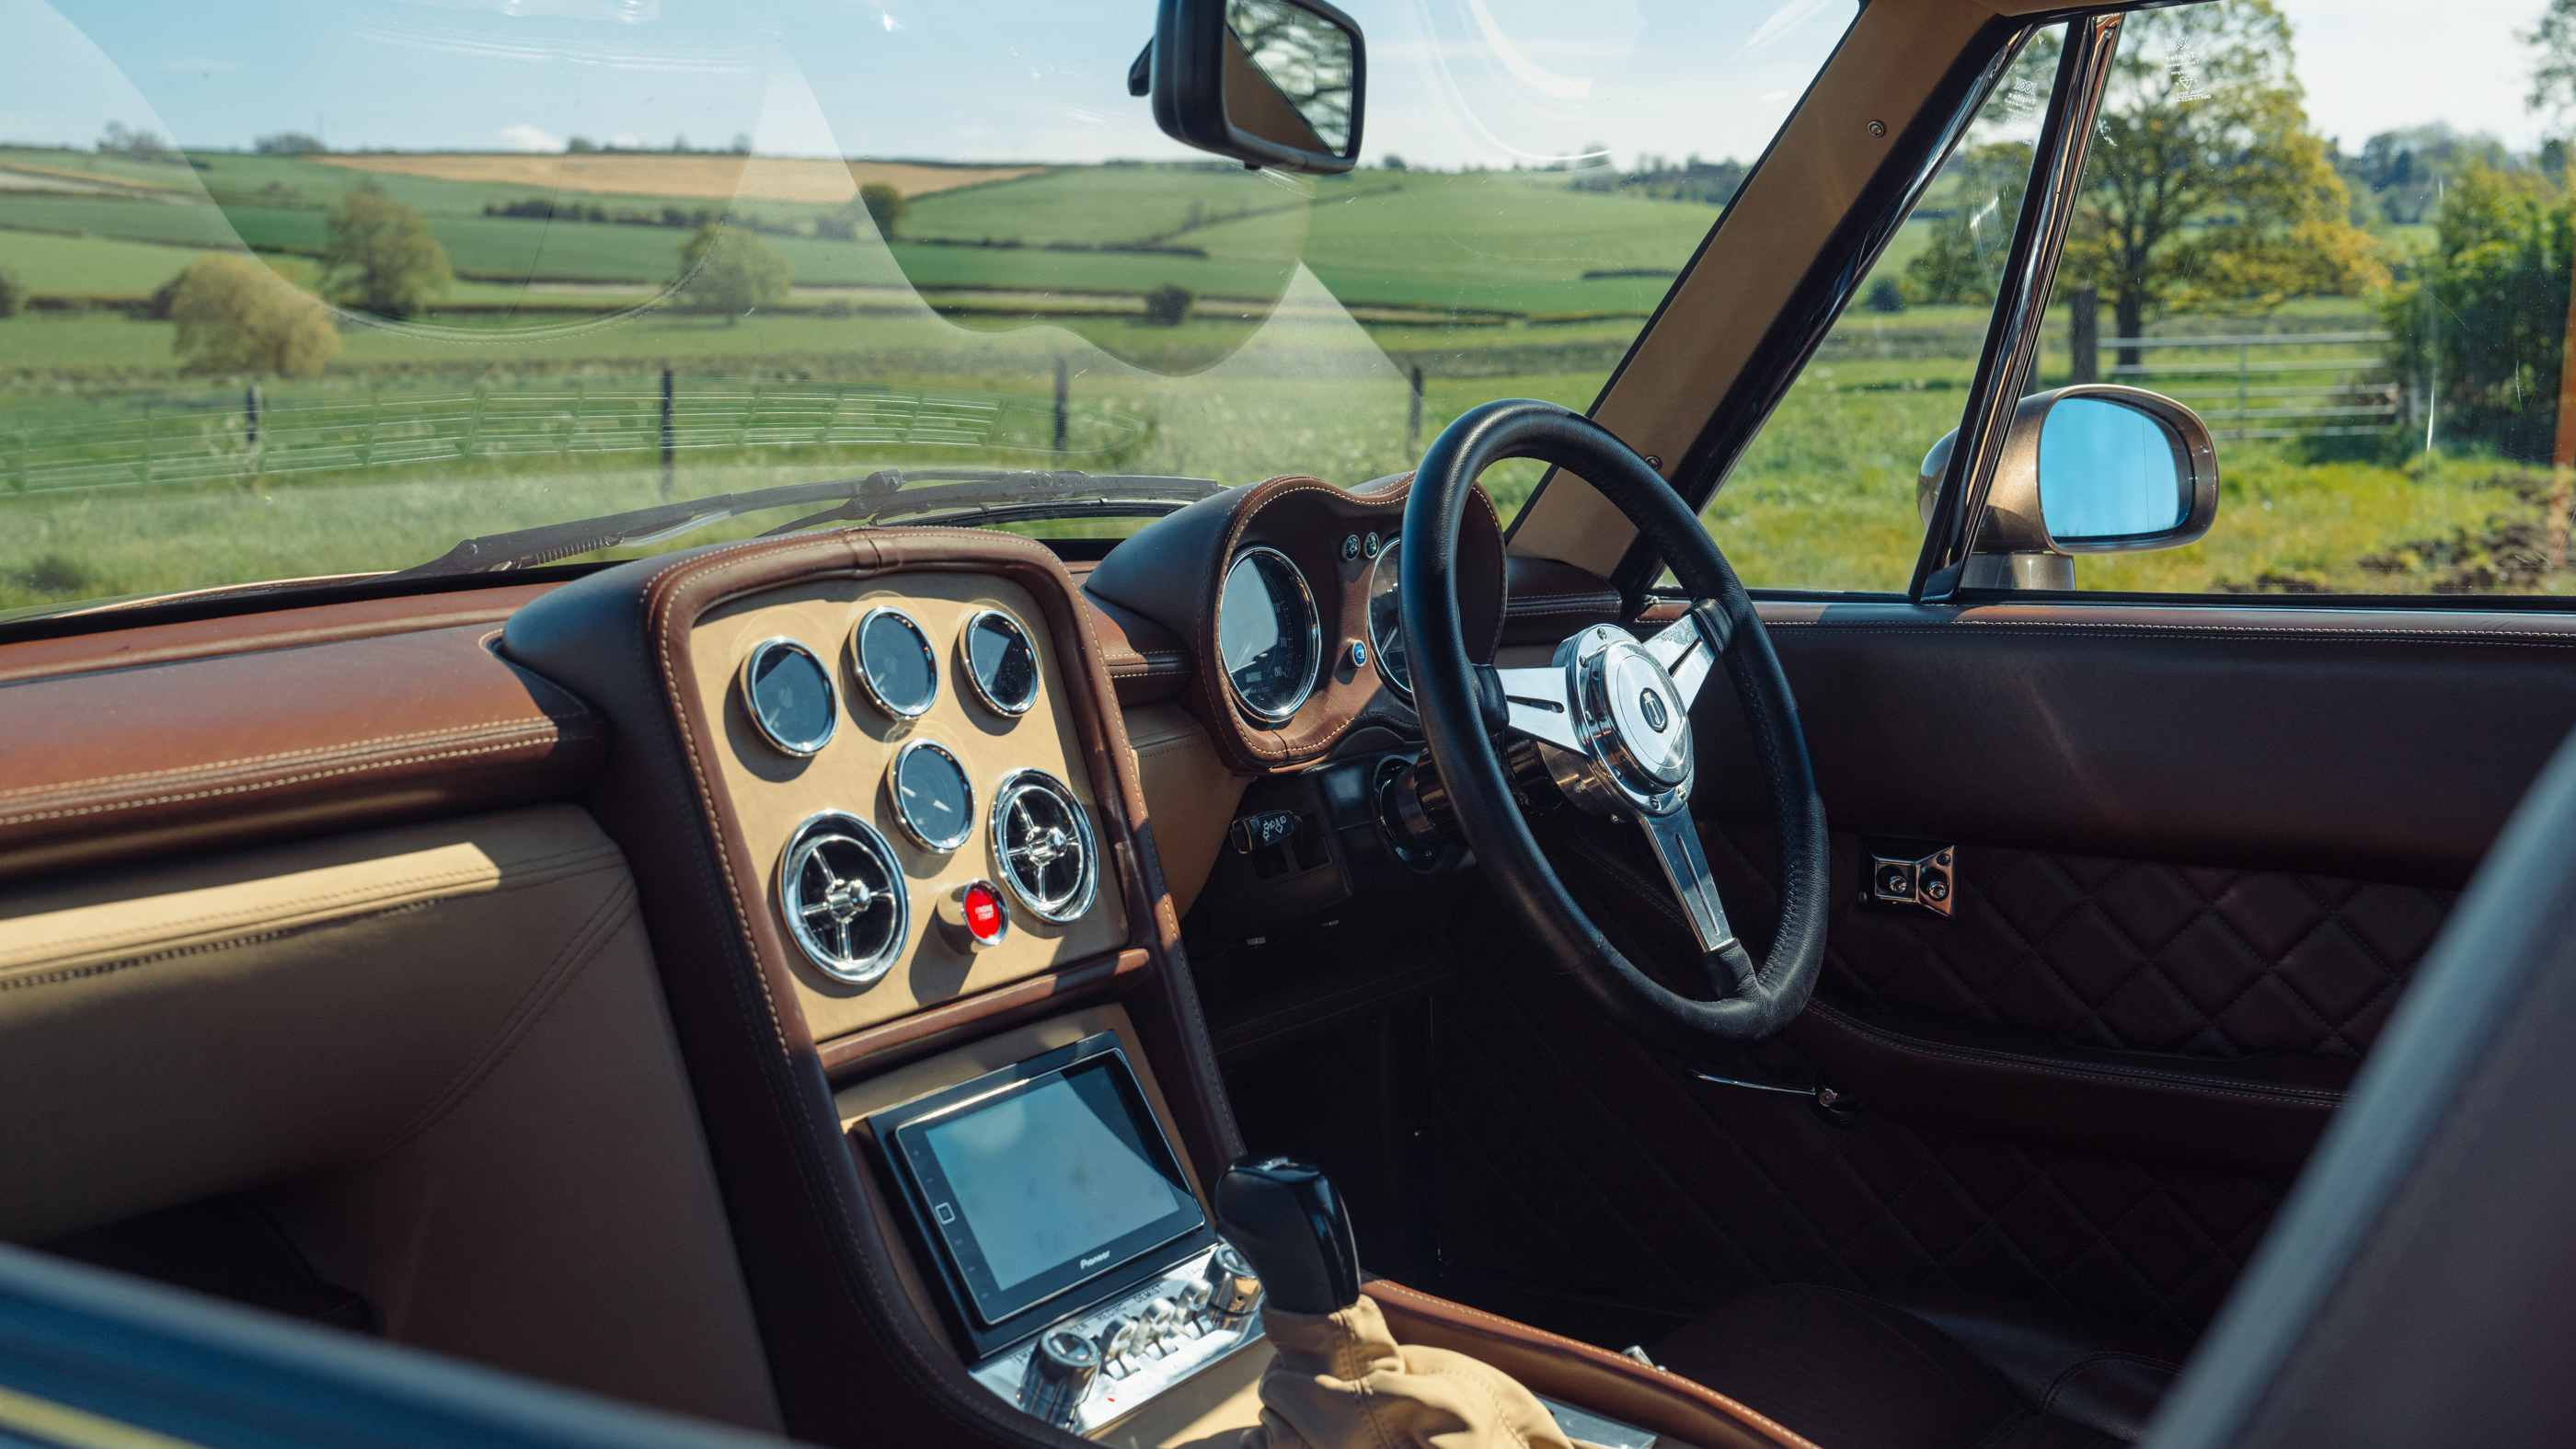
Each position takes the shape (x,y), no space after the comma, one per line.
(311,290)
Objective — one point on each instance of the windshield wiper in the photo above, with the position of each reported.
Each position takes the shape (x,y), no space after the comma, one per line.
(989,495)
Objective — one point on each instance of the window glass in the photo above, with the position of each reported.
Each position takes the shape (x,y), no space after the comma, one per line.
(2341,236)
(322,288)
(1825,496)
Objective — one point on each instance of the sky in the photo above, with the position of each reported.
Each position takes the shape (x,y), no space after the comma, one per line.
(1453,82)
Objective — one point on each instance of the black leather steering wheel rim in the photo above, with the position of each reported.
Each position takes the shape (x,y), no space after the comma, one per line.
(1461,712)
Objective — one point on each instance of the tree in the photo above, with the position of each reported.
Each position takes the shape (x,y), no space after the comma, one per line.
(382,256)
(726,269)
(1964,261)
(13,293)
(2206,189)
(885,206)
(235,315)
(2484,313)
(289,143)
(1168,305)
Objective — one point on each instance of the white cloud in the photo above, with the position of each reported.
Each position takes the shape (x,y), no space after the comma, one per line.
(625,139)
(524,137)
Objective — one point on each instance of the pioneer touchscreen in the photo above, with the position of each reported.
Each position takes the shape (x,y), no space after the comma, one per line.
(1040,1178)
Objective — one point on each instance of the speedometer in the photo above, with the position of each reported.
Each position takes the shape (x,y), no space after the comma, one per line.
(1386,622)
(1267,634)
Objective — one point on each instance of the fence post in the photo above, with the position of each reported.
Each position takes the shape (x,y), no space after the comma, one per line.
(1413,413)
(666,430)
(2083,334)
(250,432)
(375,414)
(26,445)
(474,423)
(2244,419)
(1062,384)
(147,443)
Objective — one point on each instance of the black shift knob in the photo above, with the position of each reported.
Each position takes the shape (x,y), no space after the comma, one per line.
(1284,1217)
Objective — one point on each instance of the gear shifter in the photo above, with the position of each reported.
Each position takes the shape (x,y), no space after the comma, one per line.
(1282,1214)
(1340,1380)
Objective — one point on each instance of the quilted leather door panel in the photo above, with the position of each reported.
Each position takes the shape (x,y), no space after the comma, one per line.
(1576,1163)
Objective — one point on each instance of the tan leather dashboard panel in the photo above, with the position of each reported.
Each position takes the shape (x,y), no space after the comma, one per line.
(773,793)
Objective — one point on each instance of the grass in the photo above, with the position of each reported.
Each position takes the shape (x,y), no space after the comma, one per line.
(1488,282)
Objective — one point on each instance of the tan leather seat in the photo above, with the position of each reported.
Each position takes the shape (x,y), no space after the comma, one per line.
(1853,1371)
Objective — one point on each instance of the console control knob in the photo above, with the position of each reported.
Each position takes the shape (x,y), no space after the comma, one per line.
(1233,1291)
(1160,1320)
(1114,1340)
(1061,1368)
(1195,1299)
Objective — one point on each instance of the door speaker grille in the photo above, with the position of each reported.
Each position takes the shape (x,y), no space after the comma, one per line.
(1043,843)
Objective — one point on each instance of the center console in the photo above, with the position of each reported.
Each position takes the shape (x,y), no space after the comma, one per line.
(1065,1246)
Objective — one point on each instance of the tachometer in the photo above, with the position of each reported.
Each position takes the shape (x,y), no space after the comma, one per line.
(1267,633)
(1386,624)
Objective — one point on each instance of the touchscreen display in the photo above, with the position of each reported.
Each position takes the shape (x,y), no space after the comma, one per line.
(1052,1181)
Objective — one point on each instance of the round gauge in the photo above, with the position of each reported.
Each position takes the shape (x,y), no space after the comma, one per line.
(1001,663)
(933,800)
(895,663)
(1267,634)
(788,694)
(1386,622)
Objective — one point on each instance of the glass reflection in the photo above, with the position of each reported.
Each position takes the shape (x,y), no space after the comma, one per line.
(2109,471)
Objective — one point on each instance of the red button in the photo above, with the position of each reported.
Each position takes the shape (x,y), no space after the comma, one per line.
(983,913)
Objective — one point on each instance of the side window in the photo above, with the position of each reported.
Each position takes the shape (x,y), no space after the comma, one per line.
(2345,243)
(1824,498)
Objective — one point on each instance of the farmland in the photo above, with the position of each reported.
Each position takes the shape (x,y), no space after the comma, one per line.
(525,394)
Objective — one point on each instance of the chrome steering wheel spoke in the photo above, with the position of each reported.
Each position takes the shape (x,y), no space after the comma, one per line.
(1540,704)
(1676,843)
(1688,647)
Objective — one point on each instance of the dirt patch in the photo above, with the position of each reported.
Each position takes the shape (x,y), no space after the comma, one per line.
(765,178)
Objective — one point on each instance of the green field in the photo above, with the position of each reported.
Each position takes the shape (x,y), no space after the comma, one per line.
(516,402)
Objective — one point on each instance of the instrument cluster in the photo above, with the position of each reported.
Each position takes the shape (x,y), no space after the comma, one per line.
(842,887)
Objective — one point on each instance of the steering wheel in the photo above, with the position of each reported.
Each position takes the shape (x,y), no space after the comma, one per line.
(1610,721)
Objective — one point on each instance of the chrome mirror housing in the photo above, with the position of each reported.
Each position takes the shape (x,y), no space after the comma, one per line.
(2093,468)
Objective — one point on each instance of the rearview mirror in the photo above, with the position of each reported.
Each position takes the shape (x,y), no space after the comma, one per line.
(2093,468)
(1273,83)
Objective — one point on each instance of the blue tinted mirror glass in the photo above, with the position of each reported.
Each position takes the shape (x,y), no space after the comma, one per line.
(2108,471)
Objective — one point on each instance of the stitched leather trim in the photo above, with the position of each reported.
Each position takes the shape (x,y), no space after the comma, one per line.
(1587,1377)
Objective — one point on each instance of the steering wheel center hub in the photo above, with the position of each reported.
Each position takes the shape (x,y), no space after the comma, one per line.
(1632,720)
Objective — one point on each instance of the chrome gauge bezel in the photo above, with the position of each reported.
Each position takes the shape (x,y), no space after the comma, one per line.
(868,683)
(1314,637)
(941,845)
(975,681)
(1005,794)
(1377,642)
(751,659)
(821,828)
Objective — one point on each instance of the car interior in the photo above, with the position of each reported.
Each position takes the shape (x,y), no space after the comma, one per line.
(1339,965)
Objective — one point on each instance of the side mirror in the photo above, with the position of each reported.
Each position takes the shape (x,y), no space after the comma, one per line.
(1268,82)
(2092,468)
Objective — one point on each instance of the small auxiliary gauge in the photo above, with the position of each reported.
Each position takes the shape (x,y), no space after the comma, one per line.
(788,695)
(933,800)
(894,662)
(1001,663)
